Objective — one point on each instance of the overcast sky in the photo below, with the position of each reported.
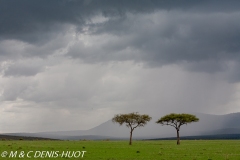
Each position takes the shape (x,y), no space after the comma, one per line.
(72,65)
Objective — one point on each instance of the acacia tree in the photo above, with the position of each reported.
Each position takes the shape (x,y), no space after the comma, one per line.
(132,121)
(177,120)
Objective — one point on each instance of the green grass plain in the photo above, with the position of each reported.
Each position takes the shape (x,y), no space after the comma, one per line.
(140,150)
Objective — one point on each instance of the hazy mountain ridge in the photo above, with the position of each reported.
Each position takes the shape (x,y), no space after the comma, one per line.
(207,125)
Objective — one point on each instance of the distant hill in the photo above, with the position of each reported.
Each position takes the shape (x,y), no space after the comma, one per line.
(208,125)
(204,137)
(9,137)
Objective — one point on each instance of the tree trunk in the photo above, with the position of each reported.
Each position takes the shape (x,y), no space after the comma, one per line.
(178,138)
(130,141)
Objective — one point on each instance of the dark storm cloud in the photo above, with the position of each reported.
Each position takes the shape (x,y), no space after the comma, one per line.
(32,20)
(157,32)
(168,37)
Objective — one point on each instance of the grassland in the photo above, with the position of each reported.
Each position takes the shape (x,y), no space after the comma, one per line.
(140,150)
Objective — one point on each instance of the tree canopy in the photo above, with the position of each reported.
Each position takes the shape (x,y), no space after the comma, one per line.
(176,120)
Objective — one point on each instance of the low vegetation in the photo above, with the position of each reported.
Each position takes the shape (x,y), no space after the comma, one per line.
(141,150)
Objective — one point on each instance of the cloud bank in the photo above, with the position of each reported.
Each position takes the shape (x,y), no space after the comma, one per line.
(69,64)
